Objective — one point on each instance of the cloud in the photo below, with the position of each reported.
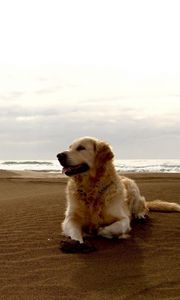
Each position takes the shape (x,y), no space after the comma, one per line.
(11,96)
(49,90)
(42,131)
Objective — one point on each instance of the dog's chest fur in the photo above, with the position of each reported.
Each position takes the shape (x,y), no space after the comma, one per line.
(92,201)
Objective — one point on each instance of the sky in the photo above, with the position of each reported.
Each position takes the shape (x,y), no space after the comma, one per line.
(103,68)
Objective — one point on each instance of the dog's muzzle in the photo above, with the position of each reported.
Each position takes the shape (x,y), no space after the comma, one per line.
(70,169)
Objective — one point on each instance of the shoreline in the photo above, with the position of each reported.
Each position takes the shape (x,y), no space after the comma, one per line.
(58,174)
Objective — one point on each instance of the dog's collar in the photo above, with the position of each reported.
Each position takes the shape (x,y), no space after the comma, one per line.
(101,191)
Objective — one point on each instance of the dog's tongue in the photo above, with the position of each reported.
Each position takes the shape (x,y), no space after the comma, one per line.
(64,170)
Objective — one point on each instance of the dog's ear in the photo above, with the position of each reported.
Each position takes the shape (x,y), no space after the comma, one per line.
(103,152)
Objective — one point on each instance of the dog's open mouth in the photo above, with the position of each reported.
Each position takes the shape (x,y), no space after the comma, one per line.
(74,170)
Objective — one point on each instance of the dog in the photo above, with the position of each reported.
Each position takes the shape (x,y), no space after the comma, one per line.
(99,200)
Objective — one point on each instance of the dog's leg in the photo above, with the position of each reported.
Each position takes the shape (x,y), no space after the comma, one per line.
(72,229)
(118,229)
(140,209)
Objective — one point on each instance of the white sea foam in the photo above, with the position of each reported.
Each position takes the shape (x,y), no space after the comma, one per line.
(148,165)
(131,165)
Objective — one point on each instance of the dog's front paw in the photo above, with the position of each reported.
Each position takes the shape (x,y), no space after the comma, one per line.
(103,231)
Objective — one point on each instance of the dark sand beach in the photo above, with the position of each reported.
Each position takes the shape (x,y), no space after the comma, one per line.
(146,266)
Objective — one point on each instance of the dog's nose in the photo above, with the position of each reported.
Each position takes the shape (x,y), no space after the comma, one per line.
(61,157)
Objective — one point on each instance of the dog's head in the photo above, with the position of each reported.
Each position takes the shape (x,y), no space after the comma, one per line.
(85,154)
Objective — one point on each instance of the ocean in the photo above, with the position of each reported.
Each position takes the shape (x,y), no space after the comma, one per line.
(130,165)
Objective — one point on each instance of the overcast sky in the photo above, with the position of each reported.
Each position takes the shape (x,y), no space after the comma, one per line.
(109,69)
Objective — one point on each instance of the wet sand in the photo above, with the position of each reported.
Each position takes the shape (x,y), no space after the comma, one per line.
(146,266)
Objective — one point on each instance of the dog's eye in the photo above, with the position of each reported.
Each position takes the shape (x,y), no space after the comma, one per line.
(80,148)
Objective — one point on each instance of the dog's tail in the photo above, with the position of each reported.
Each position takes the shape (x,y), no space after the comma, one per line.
(158,205)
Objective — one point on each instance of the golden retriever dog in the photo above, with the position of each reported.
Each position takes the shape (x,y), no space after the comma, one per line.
(100,201)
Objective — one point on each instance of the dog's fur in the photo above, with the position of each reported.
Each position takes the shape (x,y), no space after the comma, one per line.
(99,201)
